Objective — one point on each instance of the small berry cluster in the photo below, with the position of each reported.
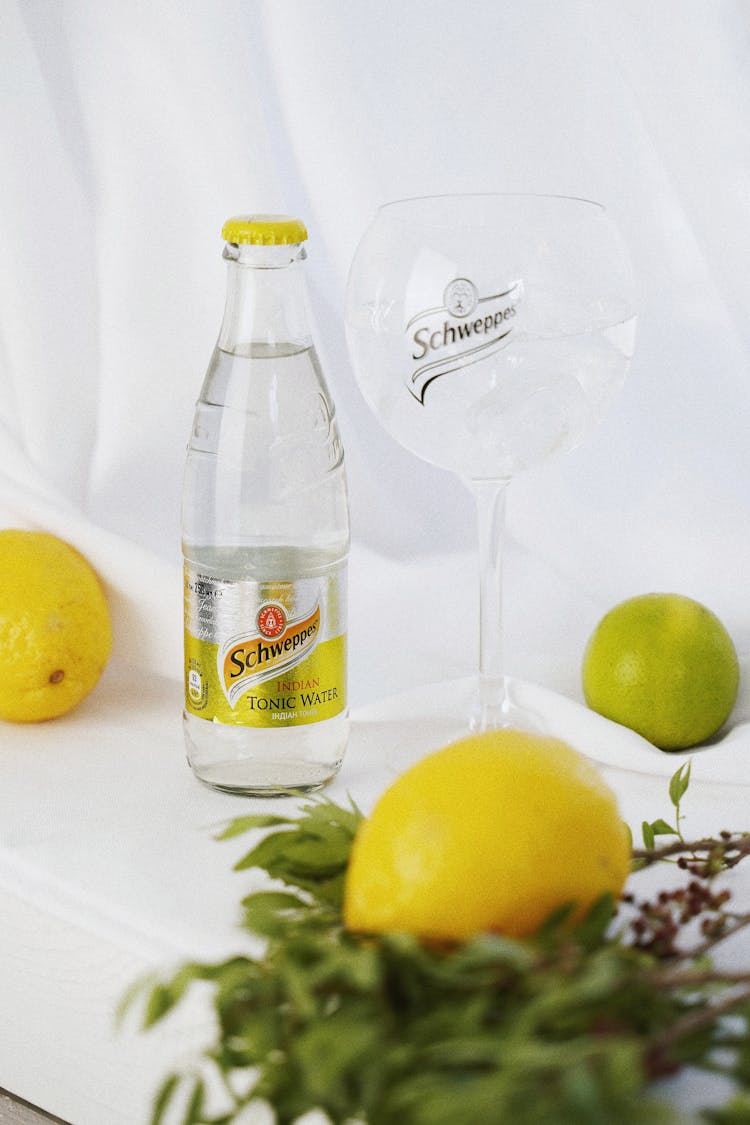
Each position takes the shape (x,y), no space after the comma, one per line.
(659,924)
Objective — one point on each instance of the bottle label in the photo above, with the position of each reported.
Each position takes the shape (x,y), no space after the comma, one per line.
(265,654)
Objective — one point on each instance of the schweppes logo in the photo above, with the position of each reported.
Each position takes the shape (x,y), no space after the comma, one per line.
(276,645)
(465,329)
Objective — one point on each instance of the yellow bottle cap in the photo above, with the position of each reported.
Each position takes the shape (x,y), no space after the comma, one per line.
(264,230)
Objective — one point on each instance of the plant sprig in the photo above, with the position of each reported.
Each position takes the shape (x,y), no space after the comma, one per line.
(570,1027)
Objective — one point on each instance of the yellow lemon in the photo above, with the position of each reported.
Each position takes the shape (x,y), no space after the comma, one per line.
(491,833)
(665,666)
(55,631)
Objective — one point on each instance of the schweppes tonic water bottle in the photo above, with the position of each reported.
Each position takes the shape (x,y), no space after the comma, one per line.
(265,535)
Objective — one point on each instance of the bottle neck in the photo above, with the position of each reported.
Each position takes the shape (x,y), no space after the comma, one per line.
(266,305)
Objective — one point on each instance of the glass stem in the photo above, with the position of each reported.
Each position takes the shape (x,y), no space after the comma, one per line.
(492,704)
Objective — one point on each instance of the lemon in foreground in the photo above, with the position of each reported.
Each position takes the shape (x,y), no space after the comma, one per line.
(491,833)
(55,631)
(665,666)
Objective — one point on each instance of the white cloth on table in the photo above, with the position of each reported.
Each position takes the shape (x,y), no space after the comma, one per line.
(129,133)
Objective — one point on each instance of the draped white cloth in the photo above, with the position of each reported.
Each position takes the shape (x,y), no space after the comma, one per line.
(130,131)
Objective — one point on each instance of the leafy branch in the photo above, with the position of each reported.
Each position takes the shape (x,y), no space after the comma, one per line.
(571,1027)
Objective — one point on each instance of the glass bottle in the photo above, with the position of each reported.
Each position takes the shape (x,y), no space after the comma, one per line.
(265,528)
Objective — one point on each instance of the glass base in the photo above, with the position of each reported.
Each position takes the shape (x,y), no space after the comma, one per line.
(494,708)
(400,731)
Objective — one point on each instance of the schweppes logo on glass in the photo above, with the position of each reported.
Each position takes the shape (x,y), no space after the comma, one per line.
(275,646)
(465,329)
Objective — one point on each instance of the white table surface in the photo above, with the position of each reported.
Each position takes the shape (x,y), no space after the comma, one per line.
(109,869)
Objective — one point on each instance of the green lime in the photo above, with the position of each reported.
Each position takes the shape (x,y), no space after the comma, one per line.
(665,666)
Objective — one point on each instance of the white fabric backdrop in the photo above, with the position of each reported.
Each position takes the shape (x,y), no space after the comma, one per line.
(129,131)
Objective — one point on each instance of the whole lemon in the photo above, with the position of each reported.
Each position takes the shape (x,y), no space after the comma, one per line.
(665,666)
(55,630)
(491,833)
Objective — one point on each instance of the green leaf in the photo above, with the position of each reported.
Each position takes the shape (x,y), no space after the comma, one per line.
(483,956)
(629,834)
(661,828)
(242,824)
(164,995)
(161,1000)
(555,922)
(591,930)
(137,991)
(194,1109)
(163,1098)
(312,855)
(270,913)
(268,853)
(328,1054)
(648,834)
(679,783)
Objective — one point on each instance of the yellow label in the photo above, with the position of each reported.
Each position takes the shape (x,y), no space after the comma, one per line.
(284,668)
(311,690)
